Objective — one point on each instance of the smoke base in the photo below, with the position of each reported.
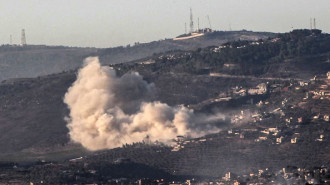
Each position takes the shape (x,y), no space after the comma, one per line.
(107,111)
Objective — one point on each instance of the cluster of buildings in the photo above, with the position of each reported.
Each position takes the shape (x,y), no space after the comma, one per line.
(258,90)
(287,175)
(261,176)
(174,56)
(181,142)
(323,90)
(218,49)
(282,120)
(318,91)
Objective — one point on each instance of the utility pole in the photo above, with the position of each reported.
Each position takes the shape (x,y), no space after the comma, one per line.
(314,23)
(11,40)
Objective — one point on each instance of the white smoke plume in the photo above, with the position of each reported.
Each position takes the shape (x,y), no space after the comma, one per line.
(107,111)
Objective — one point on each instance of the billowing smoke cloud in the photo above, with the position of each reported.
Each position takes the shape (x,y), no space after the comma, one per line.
(107,111)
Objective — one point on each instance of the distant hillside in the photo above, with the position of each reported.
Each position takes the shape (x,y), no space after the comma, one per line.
(298,54)
(33,61)
(32,111)
(32,118)
(138,51)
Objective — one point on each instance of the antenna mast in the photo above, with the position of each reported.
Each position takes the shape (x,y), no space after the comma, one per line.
(23,38)
(11,40)
(198,23)
(208,18)
(191,22)
(185,28)
(314,23)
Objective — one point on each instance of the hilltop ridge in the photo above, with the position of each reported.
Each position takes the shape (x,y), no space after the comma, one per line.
(31,61)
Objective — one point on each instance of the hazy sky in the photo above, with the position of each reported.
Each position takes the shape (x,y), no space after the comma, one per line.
(109,23)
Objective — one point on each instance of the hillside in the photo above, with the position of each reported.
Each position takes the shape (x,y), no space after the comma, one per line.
(32,115)
(274,93)
(33,61)
(142,50)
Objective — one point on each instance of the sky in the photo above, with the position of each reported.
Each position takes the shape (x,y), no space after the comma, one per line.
(111,23)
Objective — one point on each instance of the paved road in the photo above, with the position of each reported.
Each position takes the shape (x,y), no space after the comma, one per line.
(250,77)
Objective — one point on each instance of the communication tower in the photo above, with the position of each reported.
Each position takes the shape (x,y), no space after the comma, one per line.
(198,23)
(191,22)
(185,28)
(208,18)
(23,38)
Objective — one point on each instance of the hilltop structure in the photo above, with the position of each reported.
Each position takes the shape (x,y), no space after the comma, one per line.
(194,33)
(23,38)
